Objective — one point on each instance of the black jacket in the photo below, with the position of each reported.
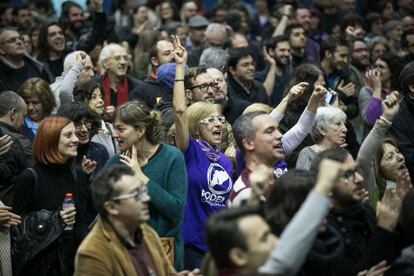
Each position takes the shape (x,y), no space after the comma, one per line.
(256,93)
(402,129)
(13,162)
(150,91)
(404,265)
(234,108)
(366,244)
(43,188)
(13,80)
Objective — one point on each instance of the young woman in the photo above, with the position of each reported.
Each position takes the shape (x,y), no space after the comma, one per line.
(40,103)
(381,82)
(90,93)
(328,131)
(40,191)
(198,134)
(161,167)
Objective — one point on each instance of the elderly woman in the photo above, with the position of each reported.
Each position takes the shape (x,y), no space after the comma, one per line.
(40,103)
(198,135)
(161,167)
(328,131)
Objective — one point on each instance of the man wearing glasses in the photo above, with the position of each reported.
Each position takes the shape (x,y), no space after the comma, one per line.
(121,242)
(368,236)
(16,65)
(199,85)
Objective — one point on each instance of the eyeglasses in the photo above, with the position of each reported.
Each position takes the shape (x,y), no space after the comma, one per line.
(137,194)
(350,175)
(211,120)
(87,124)
(204,87)
(13,40)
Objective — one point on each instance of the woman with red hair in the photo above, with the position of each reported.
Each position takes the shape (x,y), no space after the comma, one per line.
(41,246)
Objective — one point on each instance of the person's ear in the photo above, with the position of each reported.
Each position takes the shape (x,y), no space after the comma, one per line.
(328,54)
(232,70)
(13,114)
(411,88)
(321,131)
(140,131)
(189,94)
(110,208)
(248,144)
(238,257)
(105,64)
(155,62)
(271,52)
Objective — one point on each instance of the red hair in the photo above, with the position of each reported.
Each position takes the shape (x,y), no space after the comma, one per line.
(46,142)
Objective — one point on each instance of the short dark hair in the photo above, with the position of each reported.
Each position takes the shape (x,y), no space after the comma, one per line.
(84,90)
(243,128)
(331,44)
(407,77)
(336,154)
(404,41)
(8,101)
(102,187)
(236,54)
(20,7)
(291,27)
(76,111)
(283,203)
(223,233)
(272,42)
(64,17)
(191,74)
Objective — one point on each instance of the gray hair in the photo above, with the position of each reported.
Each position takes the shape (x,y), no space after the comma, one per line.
(243,128)
(324,117)
(70,60)
(106,53)
(378,40)
(8,101)
(214,58)
(215,28)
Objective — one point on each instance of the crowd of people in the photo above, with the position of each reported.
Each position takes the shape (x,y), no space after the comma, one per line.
(207,137)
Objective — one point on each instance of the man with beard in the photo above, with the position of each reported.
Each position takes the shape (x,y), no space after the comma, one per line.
(340,75)
(360,55)
(278,48)
(368,236)
(402,126)
(78,36)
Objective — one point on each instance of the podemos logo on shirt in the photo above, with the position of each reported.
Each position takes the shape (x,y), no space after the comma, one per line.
(219,183)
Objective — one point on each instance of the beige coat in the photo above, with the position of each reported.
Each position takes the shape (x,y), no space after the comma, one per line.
(102,253)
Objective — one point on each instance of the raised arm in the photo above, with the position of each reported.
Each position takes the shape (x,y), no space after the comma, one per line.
(182,135)
(296,91)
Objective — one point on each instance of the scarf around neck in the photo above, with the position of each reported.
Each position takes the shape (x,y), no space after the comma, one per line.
(212,154)
(121,91)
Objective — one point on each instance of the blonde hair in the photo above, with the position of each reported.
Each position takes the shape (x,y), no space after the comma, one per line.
(198,111)
(258,107)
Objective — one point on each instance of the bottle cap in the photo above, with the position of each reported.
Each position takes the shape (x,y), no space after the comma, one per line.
(68,195)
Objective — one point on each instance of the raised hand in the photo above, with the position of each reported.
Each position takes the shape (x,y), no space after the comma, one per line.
(5,143)
(377,270)
(297,91)
(130,158)
(317,97)
(388,209)
(88,165)
(268,58)
(374,78)
(404,184)
(260,179)
(391,105)
(328,174)
(81,57)
(348,89)
(180,53)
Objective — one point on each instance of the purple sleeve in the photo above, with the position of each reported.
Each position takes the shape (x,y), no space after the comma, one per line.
(372,111)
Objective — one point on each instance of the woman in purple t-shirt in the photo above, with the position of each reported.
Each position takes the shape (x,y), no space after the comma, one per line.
(198,133)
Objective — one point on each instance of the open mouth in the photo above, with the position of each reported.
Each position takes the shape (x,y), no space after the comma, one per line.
(217,133)
(278,147)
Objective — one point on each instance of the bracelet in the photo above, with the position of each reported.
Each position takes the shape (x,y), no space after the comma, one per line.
(385,120)
(179,80)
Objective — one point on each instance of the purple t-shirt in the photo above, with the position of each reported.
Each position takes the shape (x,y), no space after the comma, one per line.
(209,186)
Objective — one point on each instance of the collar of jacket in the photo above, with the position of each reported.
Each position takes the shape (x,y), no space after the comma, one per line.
(8,127)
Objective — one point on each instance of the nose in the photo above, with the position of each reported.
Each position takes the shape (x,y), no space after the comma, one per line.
(145,197)
(115,134)
(278,135)
(359,179)
(75,139)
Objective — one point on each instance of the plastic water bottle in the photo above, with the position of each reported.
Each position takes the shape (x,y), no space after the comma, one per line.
(67,203)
